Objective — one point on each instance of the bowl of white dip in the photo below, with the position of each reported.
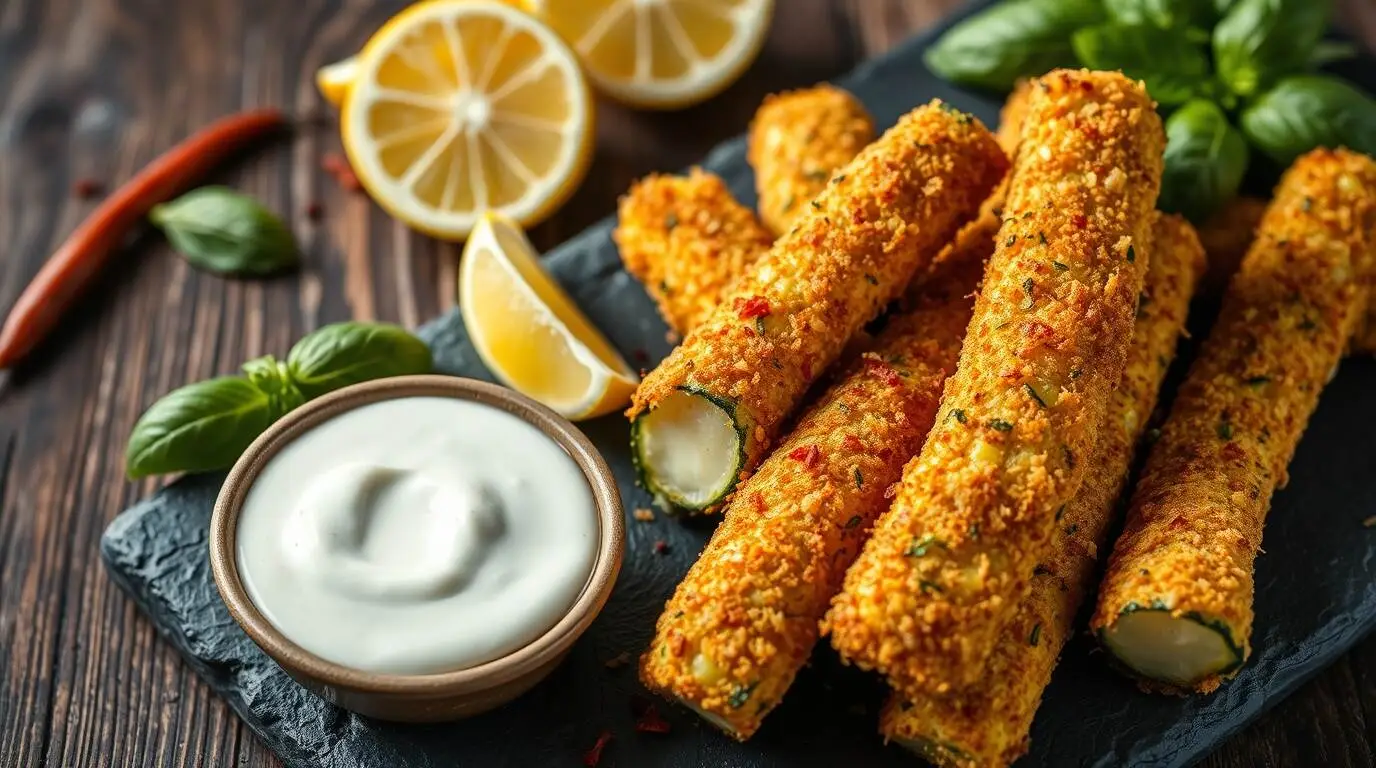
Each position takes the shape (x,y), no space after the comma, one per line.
(419,548)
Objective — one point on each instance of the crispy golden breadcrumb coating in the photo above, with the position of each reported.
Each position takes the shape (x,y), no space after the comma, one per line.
(686,239)
(884,217)
(949,563)
(1226,237)
(1012,114)
(1195,522)
(987,725)
(797,140)
(744,619)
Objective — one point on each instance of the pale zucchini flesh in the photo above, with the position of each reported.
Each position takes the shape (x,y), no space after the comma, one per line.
(1179,650)
(689,449)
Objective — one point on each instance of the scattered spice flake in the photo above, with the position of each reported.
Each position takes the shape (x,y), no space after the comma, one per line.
(741,694)
(1258,381)
(999,425)
(1225,430)
(88,188)
(859,483)
(640,356)
(337,166)
(671,221)
(1132,254)
(919,547)
(315,211)
(816,205)
(871,279)
(618,661)
(1079,221)
(1041,240)
(1036,635)
(929,586)
(809,455)
(1032,393)
(882,371)
(661,547)
(840,177)
(1058,266)
(854,522)
(1370,522)
(853,443)
(1012,239)
(594,756)
(1060,512)
(753,307)
(1308,204)
(651,722)
(959,415)
(644,515)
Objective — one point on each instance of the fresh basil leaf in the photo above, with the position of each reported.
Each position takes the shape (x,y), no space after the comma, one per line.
(223,231)
(338,355)
(1175,70)
(1206,158)
(272,377)
(1162,13)
(1260,41)
(1016,38)
(1308,111)
(200,427)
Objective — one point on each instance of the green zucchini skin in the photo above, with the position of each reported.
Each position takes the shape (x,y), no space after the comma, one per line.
(645,473)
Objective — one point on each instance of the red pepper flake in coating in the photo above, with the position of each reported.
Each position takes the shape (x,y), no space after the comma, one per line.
(1079,221)
(809,455)
(883,371)
(852,443)
(753,307)
(594,755)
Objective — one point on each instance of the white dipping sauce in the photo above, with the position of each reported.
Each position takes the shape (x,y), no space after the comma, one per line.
(417,535)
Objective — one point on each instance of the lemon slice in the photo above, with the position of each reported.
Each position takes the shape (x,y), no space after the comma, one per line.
(529,332)
(334,80)
(456,107)
(661,54)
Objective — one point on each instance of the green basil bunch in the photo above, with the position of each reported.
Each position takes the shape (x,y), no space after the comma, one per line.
(1231,76)
(208,425)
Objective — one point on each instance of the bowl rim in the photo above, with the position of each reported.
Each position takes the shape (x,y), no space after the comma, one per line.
(523,661)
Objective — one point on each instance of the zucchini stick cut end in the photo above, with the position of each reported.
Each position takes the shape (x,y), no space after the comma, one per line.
(689,449)
(1183,651)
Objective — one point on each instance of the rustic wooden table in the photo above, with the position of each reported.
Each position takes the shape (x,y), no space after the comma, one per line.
(94,89)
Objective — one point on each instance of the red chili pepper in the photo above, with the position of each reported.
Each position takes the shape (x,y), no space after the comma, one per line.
(594,755)
(70,270)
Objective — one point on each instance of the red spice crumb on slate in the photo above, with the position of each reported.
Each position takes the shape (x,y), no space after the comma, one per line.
(618,661)
(87,189)
(661,547)
(338,166)
(594,755)
(651,722)
(315,211)
(640,355)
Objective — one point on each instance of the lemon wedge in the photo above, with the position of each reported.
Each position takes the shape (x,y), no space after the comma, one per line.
(660,54)
(529,332)
(457,107)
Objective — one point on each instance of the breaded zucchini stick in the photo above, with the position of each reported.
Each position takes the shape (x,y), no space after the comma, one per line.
(704,418)
(686,238)
(797,140)
(1175,606)
(948,565)
(987,724)
(1226,237)
(744,620)
(1012,114)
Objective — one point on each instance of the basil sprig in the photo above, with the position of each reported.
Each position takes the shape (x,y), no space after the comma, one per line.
(1175,68)
(1259,41)
(223,231)
(994,48)
(1206,158)
(1211,66)
(208,425)
(1307,111)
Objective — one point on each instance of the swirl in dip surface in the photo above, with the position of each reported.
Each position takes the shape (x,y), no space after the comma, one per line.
(417,535)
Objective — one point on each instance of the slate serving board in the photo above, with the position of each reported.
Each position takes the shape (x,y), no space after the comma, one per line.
(1316,584)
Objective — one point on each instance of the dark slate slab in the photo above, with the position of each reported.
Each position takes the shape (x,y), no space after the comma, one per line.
(1316,586)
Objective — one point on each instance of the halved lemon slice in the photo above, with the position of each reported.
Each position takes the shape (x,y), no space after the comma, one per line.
(456,107)
(530,333)
(661,54)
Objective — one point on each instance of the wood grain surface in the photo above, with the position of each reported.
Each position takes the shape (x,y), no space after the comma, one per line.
(93,89)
